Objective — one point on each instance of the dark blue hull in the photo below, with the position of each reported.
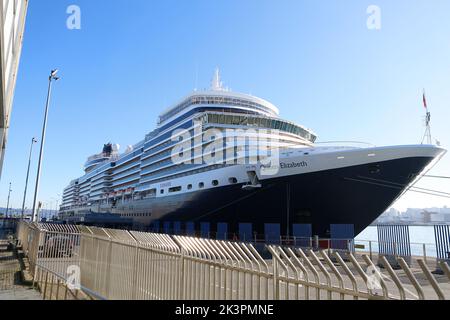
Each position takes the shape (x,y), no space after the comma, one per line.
(354,195)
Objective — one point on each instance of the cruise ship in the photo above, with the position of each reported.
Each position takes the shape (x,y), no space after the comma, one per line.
(222,159)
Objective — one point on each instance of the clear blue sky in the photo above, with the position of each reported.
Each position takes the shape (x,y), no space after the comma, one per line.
(316,60)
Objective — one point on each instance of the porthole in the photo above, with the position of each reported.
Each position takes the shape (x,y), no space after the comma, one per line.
(189,187)
(233,180)
(201,185)
(215,183)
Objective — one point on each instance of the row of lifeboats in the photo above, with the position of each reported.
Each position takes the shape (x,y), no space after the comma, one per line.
(119,192)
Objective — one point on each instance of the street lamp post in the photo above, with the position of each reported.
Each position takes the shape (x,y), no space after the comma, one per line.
(33,141)
(51,78)
(7,205)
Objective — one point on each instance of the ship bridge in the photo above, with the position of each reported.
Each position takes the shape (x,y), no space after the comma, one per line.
(219,97)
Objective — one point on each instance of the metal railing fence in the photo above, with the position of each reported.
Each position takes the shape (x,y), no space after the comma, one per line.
(372,247)
(49,245)
(53,253)
(55,287)
(123,265)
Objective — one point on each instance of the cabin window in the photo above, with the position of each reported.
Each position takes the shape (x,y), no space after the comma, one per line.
(189,187)
(175,189)
(162,191)
(215,183)
(233,180)
(201,185)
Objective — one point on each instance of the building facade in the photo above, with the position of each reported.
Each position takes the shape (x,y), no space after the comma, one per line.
(12,25)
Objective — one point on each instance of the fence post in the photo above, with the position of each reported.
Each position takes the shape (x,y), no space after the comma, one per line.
(370,250)
(135,271)
(35,257)
(182,271)
(425,253)
(108,269)
(57,289)
(395,249)
(45,284)
(65,291)
(51,287)
(276,283)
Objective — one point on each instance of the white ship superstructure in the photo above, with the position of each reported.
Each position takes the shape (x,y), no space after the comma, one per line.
(144,167)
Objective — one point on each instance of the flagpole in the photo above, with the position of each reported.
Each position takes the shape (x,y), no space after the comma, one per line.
(427,134)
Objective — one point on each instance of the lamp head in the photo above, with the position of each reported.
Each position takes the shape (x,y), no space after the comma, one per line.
(53,75)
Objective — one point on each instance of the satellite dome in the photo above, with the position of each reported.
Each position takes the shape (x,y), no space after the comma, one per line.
(129,149)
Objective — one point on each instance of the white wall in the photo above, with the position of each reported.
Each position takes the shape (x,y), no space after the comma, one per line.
(12,23)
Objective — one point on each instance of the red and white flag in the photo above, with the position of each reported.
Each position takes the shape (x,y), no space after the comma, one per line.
(425,101)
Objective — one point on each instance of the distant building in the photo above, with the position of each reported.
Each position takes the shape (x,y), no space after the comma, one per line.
(415,216)
(438,217)
(12,25)
(426,216)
